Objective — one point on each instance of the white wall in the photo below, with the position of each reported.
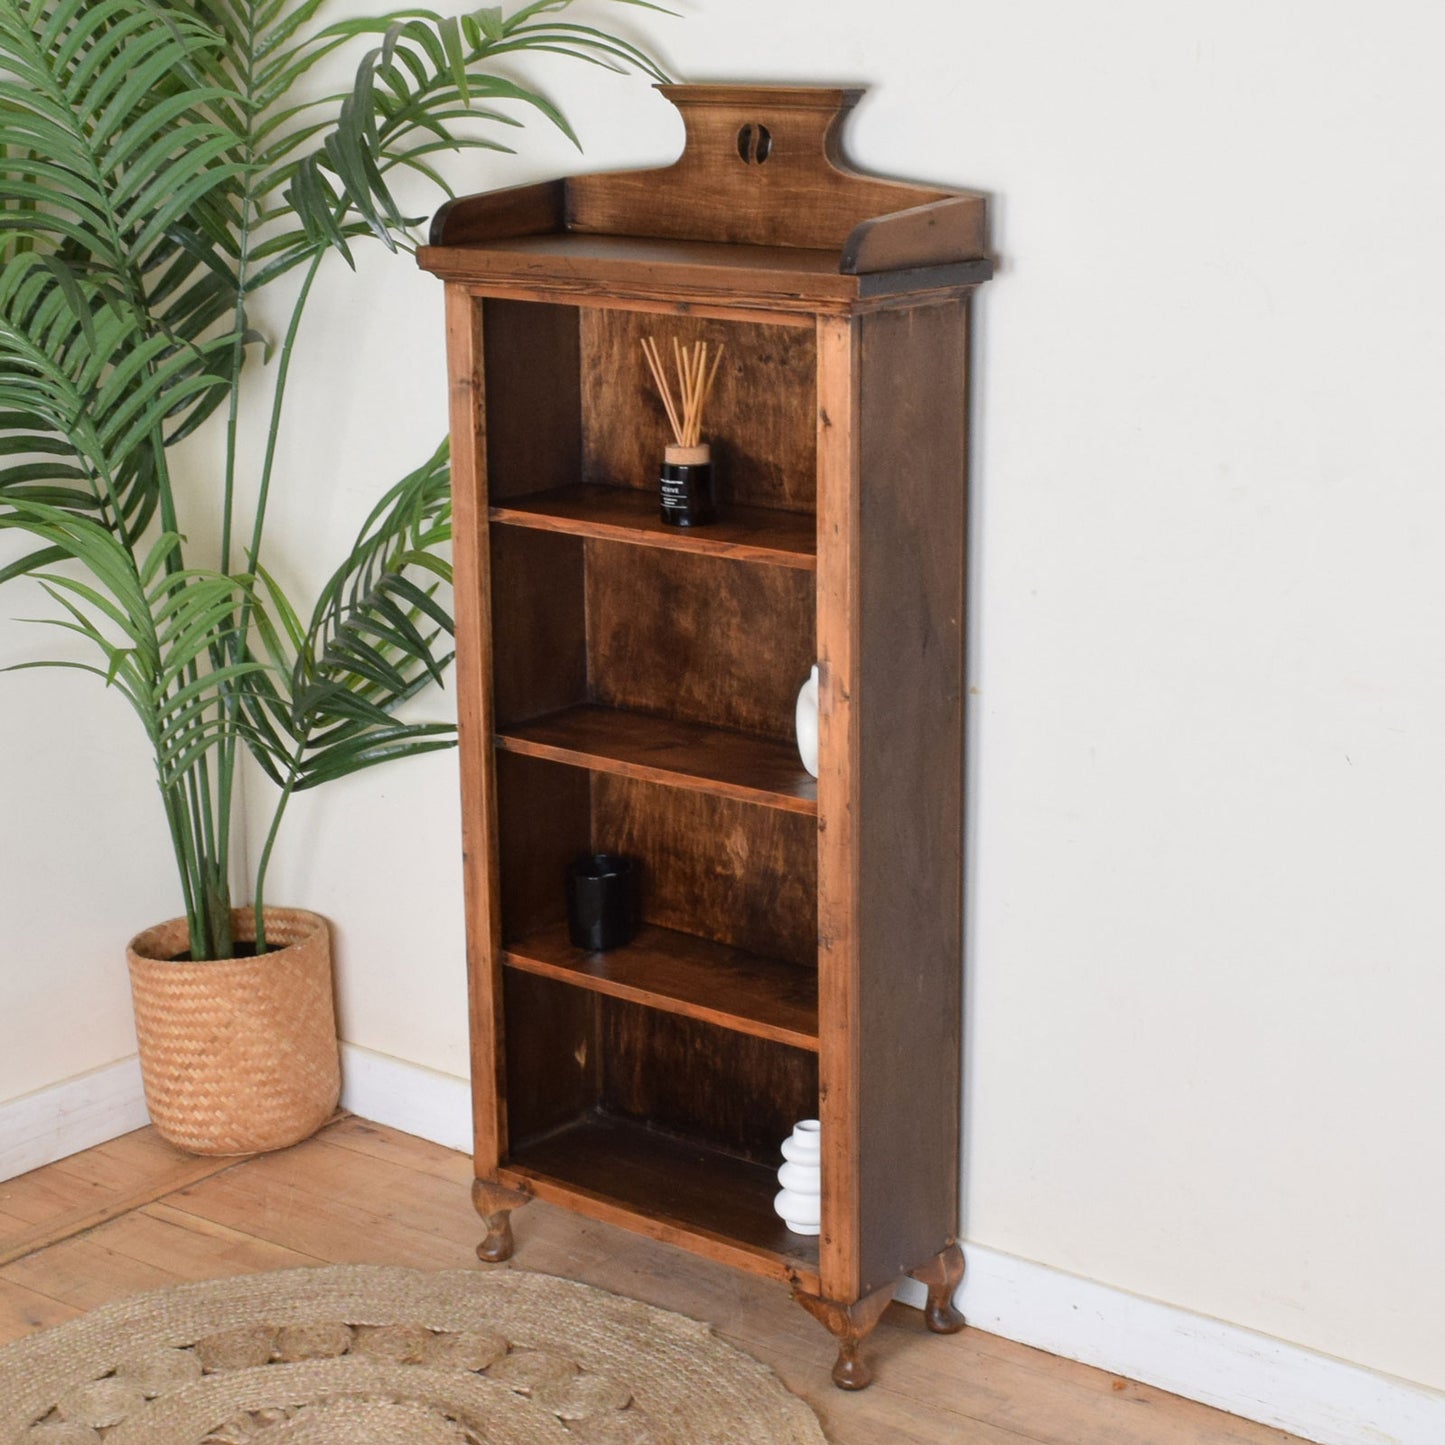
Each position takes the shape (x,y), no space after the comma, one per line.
(84,861)
(1204,969)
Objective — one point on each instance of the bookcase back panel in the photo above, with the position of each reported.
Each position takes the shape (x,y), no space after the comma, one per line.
(531,386)
(539,640)
(544,821)
(759,417)
(703,639)
(733,872)
(739,1094)
(572,1054)
(553,1067)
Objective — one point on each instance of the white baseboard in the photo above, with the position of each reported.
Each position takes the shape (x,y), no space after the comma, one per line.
(1233,1368)
(62,1119)
(407,1096)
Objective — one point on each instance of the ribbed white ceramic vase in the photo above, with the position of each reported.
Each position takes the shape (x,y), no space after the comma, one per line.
(799,1202)
(805,722)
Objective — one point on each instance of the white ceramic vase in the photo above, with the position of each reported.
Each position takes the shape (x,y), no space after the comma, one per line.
(805,722)
(799,1202)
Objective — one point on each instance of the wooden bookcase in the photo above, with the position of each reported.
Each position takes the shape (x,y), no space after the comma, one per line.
(627,686)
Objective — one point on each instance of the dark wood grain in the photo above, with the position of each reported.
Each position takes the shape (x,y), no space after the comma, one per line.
(701,639)
(734,1091)
(929,235)
(672,1189)
(633,692)
(850,1323)
(891,290)
(663,750)
(942,1275)
(496,215)
(539,655)
(533,397)
(735,873)
(698,639)
(474,633)
(757,282)
(910,785)
(552,1054)
(764,447)
(679,973)
(807,275)
(803,194)
(544,816)
(740,1093)
(839,680)
(740,875)
(628,514)
(495,1203)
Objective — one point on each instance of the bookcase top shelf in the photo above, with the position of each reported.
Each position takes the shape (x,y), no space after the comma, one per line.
(626,514)
(759,207)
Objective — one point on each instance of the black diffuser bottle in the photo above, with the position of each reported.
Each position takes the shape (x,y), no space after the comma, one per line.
(685,486)
(686,482)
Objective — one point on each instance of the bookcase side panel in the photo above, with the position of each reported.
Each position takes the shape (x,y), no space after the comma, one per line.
(472,602)
(909,714)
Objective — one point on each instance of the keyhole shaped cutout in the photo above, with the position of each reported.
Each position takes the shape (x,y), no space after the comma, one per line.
(755,144)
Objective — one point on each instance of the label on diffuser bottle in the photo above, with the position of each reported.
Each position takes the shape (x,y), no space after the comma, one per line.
(685,492)
(676,493)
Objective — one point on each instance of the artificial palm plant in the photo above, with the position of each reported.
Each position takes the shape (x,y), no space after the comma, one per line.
(160,166)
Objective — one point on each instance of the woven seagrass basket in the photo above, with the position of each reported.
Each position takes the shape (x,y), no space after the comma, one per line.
(239,1055)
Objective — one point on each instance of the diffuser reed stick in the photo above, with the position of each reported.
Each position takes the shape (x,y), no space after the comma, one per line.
(695,381)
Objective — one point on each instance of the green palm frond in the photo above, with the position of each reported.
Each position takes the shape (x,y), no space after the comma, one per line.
(153,628)
(160,165)
(429,73)
(380,633)
(83,394)
(109,146)
(107,128)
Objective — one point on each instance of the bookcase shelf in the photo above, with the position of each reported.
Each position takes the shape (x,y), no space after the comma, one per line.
(679,973)
(626,514)
(680,1191)
(629,687)
(731,764)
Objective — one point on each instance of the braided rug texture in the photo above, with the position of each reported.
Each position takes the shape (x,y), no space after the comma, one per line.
(366,1355)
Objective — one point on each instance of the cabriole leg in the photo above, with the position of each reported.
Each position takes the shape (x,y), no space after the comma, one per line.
(850,1325)
(942,1274)
(495,1203)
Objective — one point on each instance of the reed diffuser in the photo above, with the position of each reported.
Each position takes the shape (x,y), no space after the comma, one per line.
(687,490)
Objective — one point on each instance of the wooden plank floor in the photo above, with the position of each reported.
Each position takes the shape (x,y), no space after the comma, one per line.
(136,1214)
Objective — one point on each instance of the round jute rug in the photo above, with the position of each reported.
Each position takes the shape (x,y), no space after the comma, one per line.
(363,1355)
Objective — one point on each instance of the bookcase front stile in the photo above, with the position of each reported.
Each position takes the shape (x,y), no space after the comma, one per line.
(838,489)
(473,617)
